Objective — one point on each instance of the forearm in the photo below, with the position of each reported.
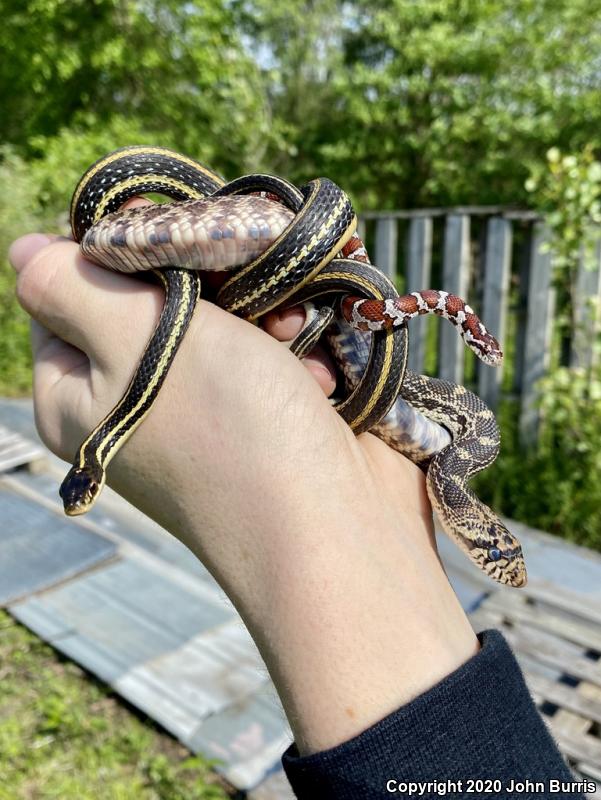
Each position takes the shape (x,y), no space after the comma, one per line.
(353,624)
(476,733)
(321,539)
(345,597)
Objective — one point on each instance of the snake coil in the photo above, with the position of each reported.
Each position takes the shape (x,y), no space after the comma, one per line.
(286,245)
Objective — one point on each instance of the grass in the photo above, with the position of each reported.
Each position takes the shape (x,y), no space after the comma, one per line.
(64,735)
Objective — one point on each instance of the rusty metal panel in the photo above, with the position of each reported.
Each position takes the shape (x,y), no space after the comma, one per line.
(38,549)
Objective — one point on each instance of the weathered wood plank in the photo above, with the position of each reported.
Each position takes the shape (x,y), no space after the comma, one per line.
(583,607)
(553,652)
(587,315)
(385,251)
(572,723)
(361,228)
(581,747)
(521,311)
(443,212)
(564,696)
(575,726)
(455,278)
(419,270)
(537,342)
(497,263)
(515,609)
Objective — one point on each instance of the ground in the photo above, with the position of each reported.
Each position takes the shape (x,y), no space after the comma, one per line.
(65,735)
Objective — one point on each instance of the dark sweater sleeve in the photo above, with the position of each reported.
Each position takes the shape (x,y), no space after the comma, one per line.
(478,724)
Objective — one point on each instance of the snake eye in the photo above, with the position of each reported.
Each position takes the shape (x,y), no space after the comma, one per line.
(494,554)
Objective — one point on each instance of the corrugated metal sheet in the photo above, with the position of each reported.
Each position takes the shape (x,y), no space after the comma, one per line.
(116,518)
(274,787)
(156,627)
(35,554)
(246,736)
(15,450)
(174,648)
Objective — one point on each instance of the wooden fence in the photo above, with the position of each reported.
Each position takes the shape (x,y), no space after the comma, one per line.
(494,258)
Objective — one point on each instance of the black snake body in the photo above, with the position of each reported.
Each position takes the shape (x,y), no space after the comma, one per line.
(286,246)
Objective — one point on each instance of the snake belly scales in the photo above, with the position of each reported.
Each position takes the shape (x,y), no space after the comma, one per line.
(285,246)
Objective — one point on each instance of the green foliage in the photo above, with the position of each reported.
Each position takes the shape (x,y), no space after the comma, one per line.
(555,486)
(62,158)
(405,103)
(567,190)
(436,102)
(167,779)
(168,66)
(19,213)
(301,57)
(64,735)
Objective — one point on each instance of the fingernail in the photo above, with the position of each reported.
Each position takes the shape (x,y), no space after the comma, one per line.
(24,249)
(293,312)
(137,202)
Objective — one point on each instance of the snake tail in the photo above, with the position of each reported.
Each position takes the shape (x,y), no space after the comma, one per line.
(85,479)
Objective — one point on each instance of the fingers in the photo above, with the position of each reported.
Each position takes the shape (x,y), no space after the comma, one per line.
(59,289)
(53,358)
(78,301)
(61,391)
(284,326)
(90,327)
(22,250)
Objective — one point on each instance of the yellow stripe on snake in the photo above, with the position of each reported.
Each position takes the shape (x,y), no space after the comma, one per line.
(286,245)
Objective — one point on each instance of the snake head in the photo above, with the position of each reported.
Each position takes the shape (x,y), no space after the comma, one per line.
(80,490)
(499,554)
(492,548)
(506,564)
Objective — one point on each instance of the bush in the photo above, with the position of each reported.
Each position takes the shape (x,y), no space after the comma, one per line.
(38,200)
(557,485)
(19,213)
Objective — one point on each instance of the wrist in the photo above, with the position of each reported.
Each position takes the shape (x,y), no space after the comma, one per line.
(352,622)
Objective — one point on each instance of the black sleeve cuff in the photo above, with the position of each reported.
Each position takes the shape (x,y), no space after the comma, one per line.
(478,723)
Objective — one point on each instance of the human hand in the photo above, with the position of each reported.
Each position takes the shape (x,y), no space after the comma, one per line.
(323,540)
